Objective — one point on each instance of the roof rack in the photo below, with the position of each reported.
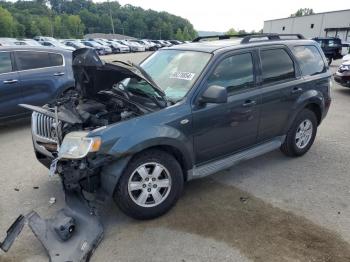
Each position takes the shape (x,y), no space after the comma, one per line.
(247,37)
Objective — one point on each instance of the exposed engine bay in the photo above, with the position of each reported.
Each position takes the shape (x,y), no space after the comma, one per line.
(104,94)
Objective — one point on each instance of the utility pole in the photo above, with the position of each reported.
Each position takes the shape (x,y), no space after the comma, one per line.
(110,14)
(160,34)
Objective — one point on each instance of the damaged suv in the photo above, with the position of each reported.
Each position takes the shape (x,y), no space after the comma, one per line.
(138,132)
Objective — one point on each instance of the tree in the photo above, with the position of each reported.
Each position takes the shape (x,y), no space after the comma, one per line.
(302,12)
(179,35)
(231,31)
(7,23)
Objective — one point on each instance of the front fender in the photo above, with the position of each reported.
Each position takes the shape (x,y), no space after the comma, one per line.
(127,146)
(310,97)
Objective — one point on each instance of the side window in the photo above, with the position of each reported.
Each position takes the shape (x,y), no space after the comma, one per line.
(236,73)
(31,60)
(277,66)
(5,62)
(310,60)
(55,59)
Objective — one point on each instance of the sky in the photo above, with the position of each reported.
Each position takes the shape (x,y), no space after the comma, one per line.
(221,15)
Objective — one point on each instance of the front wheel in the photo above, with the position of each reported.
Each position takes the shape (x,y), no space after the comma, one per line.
(301,134)
(150,185)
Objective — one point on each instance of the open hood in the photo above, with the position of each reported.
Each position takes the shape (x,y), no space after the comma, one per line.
(93,75)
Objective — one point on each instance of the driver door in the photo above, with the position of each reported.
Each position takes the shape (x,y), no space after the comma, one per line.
(223,129)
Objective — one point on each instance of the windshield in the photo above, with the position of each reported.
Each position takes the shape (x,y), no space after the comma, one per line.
(175,71)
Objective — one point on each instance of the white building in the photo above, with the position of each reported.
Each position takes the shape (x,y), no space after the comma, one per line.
(336,23)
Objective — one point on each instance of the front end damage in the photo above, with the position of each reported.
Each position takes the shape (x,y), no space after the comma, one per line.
(96,102)
(72,235)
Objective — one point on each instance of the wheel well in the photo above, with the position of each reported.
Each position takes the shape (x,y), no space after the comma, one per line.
(317,110)
(176,153)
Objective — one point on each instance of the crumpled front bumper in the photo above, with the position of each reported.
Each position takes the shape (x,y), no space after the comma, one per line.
(72,235)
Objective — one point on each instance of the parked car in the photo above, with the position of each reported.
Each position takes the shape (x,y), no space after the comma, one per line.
(56,44)
(342,76)
(76,44)
(159,42)
(115,46)
(331,46)
(34,75)
(98,48)
(175,42)
(7,41)
(138,133)
(134,47)
(106,47)
(148,45)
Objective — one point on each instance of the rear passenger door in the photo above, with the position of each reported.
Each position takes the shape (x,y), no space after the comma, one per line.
(10,92)
(281,85)
(41,74)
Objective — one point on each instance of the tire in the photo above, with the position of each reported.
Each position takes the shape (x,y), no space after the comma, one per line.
(294,146)
(134,194)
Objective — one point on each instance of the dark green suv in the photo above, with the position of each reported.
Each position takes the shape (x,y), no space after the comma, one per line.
(138,132)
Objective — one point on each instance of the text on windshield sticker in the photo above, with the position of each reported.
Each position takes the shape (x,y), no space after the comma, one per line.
(182,75)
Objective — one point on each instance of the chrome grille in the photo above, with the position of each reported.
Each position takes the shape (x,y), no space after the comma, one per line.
(42,126)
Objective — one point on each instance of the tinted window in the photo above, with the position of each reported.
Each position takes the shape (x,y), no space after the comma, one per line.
(235,73)
(5,62)
(32,60)
(310,60)
(276,66)
(56,59)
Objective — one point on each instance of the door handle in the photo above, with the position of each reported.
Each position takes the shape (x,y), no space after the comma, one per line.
(249,103)
(297,90)
(58,74)
(10,81)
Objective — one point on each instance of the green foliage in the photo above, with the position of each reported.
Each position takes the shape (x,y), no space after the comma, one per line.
(231,31)
(303,11)
(7,23)
(74,18)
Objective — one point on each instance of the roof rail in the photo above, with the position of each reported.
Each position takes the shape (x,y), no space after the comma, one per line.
(220,37)
(247,37)
(271,37)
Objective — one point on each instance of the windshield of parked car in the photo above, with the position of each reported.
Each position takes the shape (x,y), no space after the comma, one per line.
(175,71)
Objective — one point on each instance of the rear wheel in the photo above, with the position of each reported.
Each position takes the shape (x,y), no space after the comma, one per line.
(150,185)
(301,135)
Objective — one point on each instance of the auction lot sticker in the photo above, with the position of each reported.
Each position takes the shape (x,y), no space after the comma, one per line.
(182,75)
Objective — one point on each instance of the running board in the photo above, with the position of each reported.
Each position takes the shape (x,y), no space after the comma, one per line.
(227,162)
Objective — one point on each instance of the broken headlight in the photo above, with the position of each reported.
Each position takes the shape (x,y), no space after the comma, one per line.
(77,145)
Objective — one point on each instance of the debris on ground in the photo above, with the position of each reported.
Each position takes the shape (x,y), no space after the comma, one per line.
(52,200)
(16,189)
(35,187)
(243,199)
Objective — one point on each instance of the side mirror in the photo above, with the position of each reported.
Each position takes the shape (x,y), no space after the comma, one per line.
(214,94)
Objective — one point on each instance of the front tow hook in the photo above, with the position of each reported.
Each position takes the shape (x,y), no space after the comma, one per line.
(71,235)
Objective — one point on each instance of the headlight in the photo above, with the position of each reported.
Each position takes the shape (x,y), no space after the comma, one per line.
(76,145)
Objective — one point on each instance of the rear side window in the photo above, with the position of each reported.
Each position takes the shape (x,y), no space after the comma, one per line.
(32,60)
(310,60)
(236,73)
(56,59)
(5,62)
(277,66)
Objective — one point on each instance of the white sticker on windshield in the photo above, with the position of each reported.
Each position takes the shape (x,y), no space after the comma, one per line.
(183,75)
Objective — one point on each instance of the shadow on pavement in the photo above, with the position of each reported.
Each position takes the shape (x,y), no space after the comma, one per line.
(260,231)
